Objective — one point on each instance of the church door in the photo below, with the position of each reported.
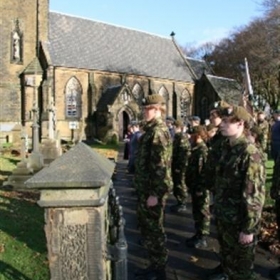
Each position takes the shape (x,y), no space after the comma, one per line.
(123,124)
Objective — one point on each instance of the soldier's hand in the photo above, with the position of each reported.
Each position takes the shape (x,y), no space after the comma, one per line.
(152,201)
(245,238)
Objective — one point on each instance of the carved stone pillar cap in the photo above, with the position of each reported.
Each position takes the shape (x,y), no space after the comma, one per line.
(81,167)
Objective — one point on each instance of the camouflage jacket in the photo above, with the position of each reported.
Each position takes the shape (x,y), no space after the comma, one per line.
(214,154)
(240,185)
(196,167)
(264,127)
(153,160)
(181,151)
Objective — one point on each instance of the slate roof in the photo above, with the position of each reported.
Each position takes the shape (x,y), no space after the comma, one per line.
(227,89)
(33,67)
(82,43)
(108,97)
(199,67)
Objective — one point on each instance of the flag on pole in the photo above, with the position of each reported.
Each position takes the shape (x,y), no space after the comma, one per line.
(247,93)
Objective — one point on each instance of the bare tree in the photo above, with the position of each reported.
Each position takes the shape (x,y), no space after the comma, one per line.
(259,43)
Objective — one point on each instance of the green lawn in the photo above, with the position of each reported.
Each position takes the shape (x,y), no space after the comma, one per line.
(23,252)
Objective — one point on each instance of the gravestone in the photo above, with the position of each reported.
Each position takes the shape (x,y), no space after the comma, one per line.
(50,148)
(74,192)
(23,171)
(36,160)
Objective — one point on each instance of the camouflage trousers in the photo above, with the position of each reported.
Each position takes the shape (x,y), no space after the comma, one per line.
(150,221)
(237,260)
(201,212)
(180,187)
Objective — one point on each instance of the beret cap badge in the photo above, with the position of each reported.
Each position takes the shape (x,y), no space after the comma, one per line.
(153,99)
(229,110)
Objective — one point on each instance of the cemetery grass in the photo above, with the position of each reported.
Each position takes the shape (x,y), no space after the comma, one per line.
(108,150)
(23,252)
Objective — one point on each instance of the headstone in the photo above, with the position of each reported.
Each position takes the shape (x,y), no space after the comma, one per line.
(36,160)
(22,172)
(74,192)
(50,150)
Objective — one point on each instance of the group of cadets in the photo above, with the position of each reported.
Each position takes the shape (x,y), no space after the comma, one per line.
(223,162)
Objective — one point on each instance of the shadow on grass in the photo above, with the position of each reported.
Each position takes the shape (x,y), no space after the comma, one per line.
(23,219)
(12,160)
(10,273)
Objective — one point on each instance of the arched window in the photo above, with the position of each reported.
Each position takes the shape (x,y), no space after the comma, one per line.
(174,105)
(126,96)
(137,91)
(185,104)
(204,107)
(164,93)
(16,44)
(73,99)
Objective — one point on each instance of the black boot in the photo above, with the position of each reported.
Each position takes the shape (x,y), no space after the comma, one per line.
(145,271)
(201,242)
(192,239)
(157,274)
(197,241)
(216,270)
(182,208)
(178,208)
(152,272)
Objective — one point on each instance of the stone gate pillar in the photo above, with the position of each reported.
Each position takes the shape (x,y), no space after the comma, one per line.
(74,192)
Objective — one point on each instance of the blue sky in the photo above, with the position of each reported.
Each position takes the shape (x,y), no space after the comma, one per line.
(193,21)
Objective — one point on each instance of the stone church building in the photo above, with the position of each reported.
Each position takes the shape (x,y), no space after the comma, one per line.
(84,78)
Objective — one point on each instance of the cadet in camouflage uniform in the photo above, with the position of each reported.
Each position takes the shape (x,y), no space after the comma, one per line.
(153,184)
(180,154)
(256,137)
(214,152)
(239,197)
(263,125)
(199,194)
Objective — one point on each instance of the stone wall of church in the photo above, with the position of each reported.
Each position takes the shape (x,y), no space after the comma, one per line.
(17,50)
(93,84)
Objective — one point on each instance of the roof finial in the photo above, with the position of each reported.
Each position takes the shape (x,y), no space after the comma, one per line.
(172,34)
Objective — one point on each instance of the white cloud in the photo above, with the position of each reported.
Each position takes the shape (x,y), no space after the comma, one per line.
(199,37)
(213,35)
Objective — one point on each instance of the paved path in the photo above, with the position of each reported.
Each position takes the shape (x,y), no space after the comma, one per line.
(184,263)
